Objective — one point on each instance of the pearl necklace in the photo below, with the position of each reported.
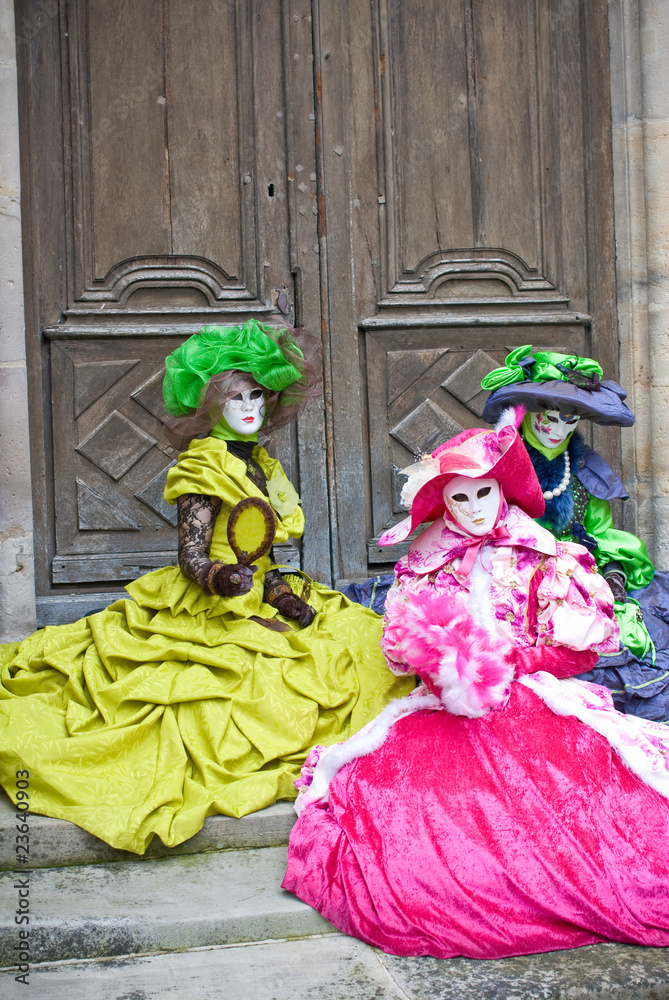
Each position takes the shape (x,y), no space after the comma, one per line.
(551,494)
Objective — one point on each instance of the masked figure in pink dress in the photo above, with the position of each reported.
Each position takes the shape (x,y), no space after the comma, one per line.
(503,807)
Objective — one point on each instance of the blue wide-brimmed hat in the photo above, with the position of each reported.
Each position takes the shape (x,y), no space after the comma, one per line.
(545,380)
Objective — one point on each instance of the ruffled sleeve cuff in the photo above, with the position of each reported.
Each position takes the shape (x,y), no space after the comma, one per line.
(575,604)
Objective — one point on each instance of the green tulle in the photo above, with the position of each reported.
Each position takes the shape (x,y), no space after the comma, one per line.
(542,369)
(257,348)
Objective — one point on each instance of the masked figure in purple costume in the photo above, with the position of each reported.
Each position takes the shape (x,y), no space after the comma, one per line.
(558,391)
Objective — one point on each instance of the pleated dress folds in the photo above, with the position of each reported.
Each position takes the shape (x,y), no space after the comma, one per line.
(173,705)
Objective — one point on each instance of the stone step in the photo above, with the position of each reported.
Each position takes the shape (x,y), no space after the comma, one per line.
(55,842)
(159,904)
(336,967)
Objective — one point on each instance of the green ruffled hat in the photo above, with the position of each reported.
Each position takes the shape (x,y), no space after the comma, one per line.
(546,380)
(269,354)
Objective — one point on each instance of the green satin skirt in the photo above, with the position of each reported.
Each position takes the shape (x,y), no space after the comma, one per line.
(139,721)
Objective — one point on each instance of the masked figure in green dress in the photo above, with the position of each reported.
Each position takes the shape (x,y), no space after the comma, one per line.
(558,390)
(203,692)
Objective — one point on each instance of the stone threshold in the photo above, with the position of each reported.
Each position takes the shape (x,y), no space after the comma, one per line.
(337,967)
(56,842)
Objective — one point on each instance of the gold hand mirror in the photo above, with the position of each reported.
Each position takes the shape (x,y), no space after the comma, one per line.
(251,529)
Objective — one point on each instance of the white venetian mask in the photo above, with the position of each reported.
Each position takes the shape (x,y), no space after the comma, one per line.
(552,427)
(245,411)
(473,503)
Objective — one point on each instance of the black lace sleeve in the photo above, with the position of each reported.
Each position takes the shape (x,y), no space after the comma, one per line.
(197,518)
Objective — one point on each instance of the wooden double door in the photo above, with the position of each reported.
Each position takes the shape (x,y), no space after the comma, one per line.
(428,182)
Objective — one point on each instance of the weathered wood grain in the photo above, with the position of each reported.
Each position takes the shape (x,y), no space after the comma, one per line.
(427,181)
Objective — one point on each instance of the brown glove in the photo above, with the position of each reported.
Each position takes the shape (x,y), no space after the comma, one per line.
(230,579)
(292,606)
(616,582)
(279,595)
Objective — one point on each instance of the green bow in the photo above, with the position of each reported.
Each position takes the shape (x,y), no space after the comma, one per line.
(526,365)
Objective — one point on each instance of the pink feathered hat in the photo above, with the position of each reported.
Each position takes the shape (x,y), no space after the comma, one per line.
(478,454)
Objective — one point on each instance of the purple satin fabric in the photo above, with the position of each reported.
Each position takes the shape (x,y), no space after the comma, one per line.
(514,833)
(599,478)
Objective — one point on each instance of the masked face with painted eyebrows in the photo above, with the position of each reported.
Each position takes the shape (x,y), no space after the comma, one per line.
(552,427)
(473,503)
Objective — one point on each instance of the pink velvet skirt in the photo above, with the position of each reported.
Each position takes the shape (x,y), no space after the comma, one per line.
(514,833)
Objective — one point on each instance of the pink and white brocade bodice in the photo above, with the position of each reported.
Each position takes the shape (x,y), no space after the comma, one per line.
(538,590)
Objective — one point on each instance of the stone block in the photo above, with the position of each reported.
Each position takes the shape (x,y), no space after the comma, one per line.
(7,39)
(662,521)
(334,967)
(12,331)
(17,588)
(9,130)
(654,39)
(15,484)
(165,904)
(55,842)
(611,971)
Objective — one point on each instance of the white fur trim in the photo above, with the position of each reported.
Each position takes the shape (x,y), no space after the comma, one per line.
(458,692)
(512,416)
(643,746)
(367,739)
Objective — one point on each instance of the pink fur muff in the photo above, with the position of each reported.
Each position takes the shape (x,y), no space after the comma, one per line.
(434,635)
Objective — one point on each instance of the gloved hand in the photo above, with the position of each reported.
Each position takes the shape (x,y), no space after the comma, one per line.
(231,579)
(292,606)
(616,582)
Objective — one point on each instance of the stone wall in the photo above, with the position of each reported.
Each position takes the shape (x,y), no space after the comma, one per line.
(17,589)
(639,36)
(654,46)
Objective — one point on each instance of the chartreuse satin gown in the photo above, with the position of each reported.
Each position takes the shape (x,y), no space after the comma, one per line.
(171,705)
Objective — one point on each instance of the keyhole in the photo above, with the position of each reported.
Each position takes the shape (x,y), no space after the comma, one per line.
(270,190)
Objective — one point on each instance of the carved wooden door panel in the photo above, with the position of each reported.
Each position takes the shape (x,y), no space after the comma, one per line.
(469,144)
(110,459)
(429,181)
(156,200)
